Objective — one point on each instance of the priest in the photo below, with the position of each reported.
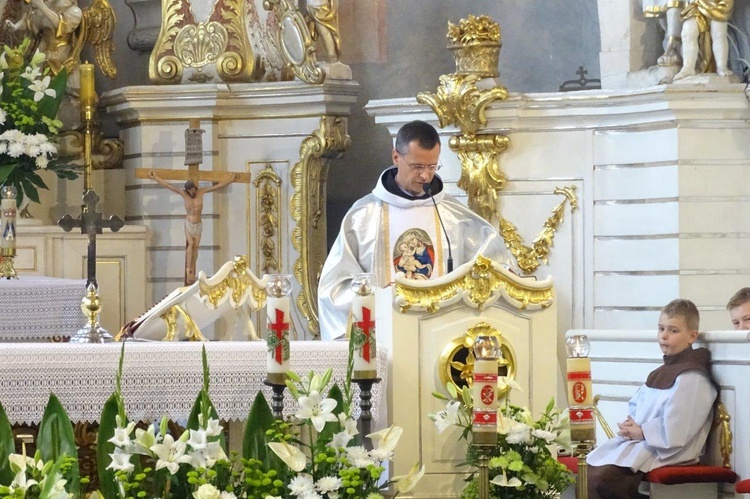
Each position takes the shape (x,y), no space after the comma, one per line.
(397,228)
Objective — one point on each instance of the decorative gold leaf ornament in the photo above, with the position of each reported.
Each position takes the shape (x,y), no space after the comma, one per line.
(478,284)
(308,206)
(184,42)
(461,100)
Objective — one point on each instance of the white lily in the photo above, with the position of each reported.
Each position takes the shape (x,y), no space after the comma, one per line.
(145,439)
(447,418)
(122,435)
(503,481)
(31,74)
(170,454)
(41,88)
(121,461)
(317,409)
(198,439)
(386,439)
(20,482)
(342,438)
(407,482)
(207,457)
(213,428)
(504,382)
(291,455)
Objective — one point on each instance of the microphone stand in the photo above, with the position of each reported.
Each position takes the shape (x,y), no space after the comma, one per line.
(428,190)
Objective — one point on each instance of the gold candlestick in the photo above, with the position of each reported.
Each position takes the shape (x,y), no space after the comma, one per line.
(88,107)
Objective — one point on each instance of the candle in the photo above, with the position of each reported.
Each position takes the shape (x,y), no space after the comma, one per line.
(87,89)
(582,424)
(363,319)
(278,323)
(8,219)
(362,336)
(579,381)
(484,390)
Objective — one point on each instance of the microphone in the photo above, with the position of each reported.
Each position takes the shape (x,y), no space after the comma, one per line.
(428,190)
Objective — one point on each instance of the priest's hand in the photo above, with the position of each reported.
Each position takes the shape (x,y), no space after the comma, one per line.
(630,430)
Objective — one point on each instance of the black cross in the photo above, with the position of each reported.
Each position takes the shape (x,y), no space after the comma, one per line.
(91,223)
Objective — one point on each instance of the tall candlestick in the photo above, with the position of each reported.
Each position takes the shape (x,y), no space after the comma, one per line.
(87,90)
(363,337)
(278,323)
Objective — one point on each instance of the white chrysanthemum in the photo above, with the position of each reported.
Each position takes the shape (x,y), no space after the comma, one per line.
(2,113)
(381,454)
(548,436)
(3,146)
(518,433)
(359,457)
(15,149)
(328,484)
(301,484)
(48,147)
(12,135)
(42,162)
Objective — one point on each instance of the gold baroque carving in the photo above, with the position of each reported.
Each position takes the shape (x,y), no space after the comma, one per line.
(268,185)
(184,42)
(295,41)
(192,331)
(478,284)
(308,206)
(529,258)
(236,284)
(106,154)
(200,44)
(456,363)
(481,177)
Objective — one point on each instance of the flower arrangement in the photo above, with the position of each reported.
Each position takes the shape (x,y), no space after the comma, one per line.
(29,100)
(521,465)
(316,454)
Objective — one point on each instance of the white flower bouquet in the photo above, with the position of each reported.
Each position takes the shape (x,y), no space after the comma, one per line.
(29,100)
(522,464)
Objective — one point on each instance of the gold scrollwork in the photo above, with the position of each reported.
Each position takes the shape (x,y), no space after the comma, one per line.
(308,204)
(456,363)
(529,258)
(192,331)
(236,283)
(295,41)
(106,154)
(478,284)
(200,44)
(184,42)
(481,177)
(269,243)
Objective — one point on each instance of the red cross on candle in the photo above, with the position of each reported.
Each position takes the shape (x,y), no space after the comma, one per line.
(367,325)
(279,328)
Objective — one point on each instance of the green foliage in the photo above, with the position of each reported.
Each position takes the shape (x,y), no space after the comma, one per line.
(7,447)
(56,439)
(107,425)
(254,444)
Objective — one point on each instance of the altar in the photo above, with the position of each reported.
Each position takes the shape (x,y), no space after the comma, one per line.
(40,308)
(160,378)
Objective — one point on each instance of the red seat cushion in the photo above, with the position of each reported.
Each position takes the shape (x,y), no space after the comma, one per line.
(743,486)
(570,462)
(672,475)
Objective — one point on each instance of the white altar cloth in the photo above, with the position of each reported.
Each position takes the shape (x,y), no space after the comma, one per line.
(158,378)
(37,308)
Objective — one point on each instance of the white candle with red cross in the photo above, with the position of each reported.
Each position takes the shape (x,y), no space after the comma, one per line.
(580,393)
(363,327)
(278,324)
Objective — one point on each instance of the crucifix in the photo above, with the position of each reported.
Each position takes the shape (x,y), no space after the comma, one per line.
(191,193)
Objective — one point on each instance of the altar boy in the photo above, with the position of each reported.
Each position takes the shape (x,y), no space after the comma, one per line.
(668,418)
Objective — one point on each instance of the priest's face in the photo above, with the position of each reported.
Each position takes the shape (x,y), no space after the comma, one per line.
(674,334)
(416,167)
(741,316)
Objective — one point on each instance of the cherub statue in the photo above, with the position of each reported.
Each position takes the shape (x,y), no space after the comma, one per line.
(668,12)
(705,47)
(324,17)
(60,28)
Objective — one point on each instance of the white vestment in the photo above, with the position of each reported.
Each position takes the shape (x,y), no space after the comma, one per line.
(675,424)
(381,234)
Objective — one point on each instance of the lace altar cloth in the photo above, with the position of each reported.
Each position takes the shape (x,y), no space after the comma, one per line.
(159,378)
(38,308)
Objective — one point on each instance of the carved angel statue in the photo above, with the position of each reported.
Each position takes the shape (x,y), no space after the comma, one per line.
(60,29)
(705,46)
(324,24)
